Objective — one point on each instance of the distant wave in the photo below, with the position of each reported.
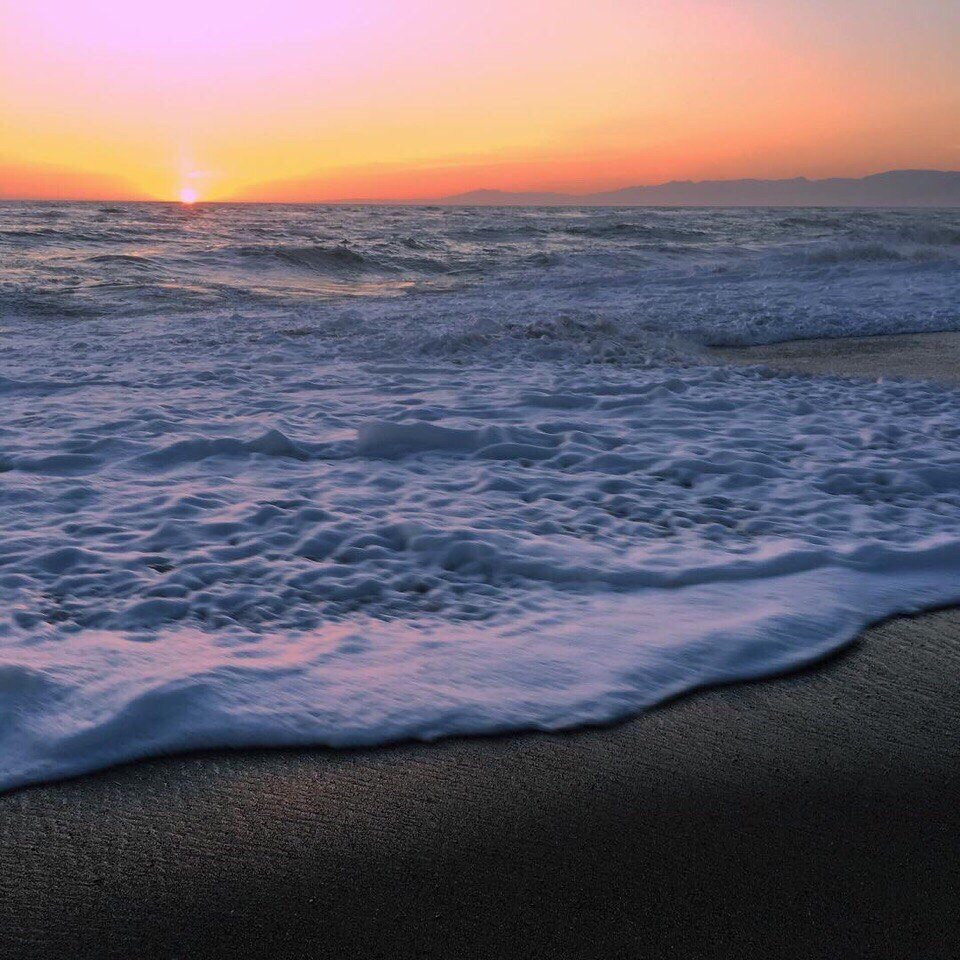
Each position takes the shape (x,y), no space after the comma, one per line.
(343,261)
(124,259)
(337,259)
(877,253)
(929,233)
(636,231)
(615,284)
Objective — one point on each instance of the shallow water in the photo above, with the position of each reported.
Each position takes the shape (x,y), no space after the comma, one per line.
(305,475)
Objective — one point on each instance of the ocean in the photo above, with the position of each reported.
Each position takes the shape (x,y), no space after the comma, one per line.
(277,475)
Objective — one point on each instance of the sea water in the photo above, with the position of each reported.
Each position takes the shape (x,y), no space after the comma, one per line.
(335,475)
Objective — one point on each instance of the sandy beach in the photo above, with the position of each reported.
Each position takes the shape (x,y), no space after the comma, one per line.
(812,815)
(931,356)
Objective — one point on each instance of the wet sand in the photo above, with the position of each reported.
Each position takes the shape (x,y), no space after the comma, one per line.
(931,356)
(814,815)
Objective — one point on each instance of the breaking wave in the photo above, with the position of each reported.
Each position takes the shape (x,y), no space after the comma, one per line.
(338,260)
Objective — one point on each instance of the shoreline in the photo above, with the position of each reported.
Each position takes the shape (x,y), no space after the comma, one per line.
(914,356)
(807,815)
(811,814)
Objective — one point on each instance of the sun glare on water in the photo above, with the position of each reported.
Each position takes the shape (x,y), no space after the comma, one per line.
(188,196)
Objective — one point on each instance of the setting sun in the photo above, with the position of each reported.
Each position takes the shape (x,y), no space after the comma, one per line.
(187,195)
(298,101)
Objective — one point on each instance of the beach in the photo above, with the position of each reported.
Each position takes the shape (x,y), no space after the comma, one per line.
(931,356)
(812,815)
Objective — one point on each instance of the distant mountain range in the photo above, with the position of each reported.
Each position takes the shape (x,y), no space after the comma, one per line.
(895,188)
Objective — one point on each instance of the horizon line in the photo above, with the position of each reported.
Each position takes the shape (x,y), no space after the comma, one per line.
(493,191)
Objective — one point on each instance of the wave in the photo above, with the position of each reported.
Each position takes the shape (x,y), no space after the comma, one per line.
(609,284)
(635,231)
(433,548)
(875,252)
(336,259)
(932,234)
(124,260)
(343,261)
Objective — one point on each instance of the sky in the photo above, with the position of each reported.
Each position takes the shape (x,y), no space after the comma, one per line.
(305,100)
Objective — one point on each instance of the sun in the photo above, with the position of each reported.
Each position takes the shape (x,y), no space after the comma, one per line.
(187,195)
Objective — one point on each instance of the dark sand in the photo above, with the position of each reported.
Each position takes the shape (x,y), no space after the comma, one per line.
(933,356)
(812,816)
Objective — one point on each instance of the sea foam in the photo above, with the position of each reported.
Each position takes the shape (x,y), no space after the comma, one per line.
(506,506)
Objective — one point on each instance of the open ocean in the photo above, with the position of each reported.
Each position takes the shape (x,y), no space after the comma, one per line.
(299,475)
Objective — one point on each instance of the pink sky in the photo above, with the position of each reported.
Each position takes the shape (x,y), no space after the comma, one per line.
(296,100)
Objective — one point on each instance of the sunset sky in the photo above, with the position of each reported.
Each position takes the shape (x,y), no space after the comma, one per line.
(315,100)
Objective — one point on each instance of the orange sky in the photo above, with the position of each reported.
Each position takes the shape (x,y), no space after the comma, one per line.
(300,100)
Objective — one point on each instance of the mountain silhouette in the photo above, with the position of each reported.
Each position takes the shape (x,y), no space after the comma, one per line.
(895,188)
